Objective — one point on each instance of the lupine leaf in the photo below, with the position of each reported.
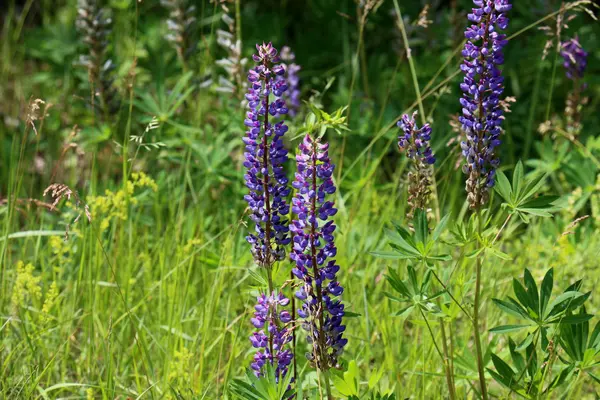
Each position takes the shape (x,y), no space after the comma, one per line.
(511,308)
(440,227)
(517,182)
(546,290)
(508,328)
(503,186)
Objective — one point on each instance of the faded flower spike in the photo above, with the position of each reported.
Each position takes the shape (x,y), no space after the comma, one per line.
(482,87)
(292,96)
(94,24)
(575,62)
(269,315)
(574,58)
(415,141)
(265,157)
(313,252)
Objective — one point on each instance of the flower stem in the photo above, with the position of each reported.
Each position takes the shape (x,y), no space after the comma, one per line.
(327,385)
(476,306)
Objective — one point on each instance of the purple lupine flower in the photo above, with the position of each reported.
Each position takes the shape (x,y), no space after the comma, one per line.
(574,58)
(313,253)
(265,157)
(292,96)
(575,62)
(415,141)
(482,87)
(270,315)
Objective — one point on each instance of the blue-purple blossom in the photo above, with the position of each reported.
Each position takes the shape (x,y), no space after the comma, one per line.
(482,87)
(574,58)
(292,95)
(265,157)
(314,254)
(270,315)
(415,140)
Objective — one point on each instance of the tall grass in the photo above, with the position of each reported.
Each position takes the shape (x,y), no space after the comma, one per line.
(154,294)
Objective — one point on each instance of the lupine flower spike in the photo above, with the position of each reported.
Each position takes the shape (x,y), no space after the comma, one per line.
(94,24)
(415,141)
(269,316)
(265,157)
(313,253)
(482,87)
(292,95)
(575,62)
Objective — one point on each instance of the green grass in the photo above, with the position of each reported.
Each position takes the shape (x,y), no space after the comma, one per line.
(156,292)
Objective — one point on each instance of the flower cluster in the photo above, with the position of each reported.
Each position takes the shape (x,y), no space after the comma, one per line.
(415,141)
(292,96)
(313,252)
(575,62)
(181,25)
(482,87)
(574,58)
(94,24)
(268,314)
(265,157)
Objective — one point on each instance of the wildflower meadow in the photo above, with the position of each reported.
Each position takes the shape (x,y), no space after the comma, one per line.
(299,199)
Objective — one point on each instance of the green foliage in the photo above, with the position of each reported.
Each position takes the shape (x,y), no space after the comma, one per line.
(520,195)
(418,246)
(267,387)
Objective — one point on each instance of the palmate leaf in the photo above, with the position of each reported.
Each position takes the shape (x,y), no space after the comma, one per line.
(417,246)
(519,197)
(264,388)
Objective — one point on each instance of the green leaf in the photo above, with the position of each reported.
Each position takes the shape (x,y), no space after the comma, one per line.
(561,303)
(508,328)
(401,244)
(500,254)
(572,319)
(440,227)
(390,255)
(532,290)
(546,290)
(421,228)
(512,308)
(517,181)
(503,186)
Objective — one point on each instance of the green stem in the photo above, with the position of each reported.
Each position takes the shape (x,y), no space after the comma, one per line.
(327,385)
(476,306)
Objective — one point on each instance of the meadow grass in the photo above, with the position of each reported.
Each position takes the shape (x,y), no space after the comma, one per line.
(152,297)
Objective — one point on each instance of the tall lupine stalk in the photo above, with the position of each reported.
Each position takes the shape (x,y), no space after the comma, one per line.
(234,64)
(481,118)
(415,141)
(265,157)
(313,252)
(94,24)
(181,25)
(292,95)
(575,62)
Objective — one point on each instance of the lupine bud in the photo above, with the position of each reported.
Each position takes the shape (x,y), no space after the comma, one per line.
(314,251)
(265,157)
(415,141)
(482,87)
